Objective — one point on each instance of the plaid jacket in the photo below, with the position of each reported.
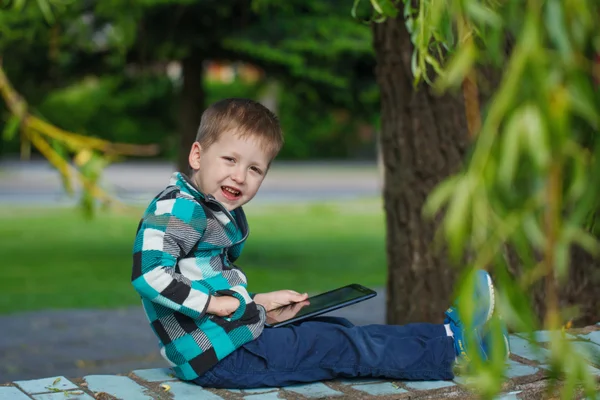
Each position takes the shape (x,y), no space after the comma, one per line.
(183,253)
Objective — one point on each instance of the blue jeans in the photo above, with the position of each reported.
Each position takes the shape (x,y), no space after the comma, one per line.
(328,347)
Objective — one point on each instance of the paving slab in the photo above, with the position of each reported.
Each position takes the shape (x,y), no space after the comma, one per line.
(428,385)
(545,336)
(593,337)
(120,387)
(524,348)
(266,396)
(380,389)
(46,385)
(509,396)
(589,350)
(12,393)
(313,390)
(190,391)
(517,369)
(259,390)
(71,395)
(155,374)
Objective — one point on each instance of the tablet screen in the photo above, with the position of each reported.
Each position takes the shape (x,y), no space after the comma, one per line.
(320,304)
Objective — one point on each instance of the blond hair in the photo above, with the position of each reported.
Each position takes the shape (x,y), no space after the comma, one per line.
(247,117)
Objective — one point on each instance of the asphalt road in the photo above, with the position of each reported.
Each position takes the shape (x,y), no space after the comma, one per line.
(36,183)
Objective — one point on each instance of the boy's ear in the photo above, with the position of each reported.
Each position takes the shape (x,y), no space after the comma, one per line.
(194,157)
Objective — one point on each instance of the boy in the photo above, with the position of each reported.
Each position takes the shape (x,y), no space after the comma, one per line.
(211,330)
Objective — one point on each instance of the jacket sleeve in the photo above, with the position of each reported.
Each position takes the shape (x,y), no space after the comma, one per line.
(168,231)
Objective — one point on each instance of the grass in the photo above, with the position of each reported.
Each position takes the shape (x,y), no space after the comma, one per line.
(53,258)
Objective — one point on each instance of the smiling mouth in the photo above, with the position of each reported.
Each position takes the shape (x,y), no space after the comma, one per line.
(230,193)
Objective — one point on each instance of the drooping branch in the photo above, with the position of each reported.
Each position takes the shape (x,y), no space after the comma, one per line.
(18,107)
(40,134)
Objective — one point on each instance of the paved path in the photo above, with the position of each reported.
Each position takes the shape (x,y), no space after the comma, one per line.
(80,342)
(526,378)
(136,182)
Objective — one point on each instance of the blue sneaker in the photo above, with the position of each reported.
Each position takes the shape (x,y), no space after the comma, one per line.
(489,339)
(483,301)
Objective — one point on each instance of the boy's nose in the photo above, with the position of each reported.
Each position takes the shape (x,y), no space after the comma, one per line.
(239,176)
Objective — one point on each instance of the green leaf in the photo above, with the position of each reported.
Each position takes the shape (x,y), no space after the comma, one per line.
(514,303)
(11,128)
(581,97)
(458,67)
(457,217)
(483,14)
(533,231)
(46,11)
(385,8)
(561,260)
(354,8)
(439,196)
(18,4)
(583,239)
(578,178)
(536,133)
(555,23)
(511,144)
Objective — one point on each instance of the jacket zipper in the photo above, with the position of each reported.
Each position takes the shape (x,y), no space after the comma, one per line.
(210,199)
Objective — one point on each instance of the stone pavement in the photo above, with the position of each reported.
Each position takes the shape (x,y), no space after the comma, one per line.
(526,379)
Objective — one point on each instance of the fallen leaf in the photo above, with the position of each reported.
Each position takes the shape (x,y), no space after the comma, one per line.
(56,381)
(165,387)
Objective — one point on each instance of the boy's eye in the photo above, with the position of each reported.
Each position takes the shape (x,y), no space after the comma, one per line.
(230,159)
(257,170)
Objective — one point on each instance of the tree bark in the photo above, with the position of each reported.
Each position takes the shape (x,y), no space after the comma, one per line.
(423,140)
(192,98)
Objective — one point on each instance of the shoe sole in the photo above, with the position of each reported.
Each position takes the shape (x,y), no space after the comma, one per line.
(490,285)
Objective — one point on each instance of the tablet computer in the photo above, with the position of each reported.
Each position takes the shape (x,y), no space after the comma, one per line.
(317,305)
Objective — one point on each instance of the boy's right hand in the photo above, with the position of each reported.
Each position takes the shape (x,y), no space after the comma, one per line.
(223,306)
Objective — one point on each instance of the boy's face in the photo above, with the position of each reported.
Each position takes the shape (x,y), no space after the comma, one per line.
(231,169)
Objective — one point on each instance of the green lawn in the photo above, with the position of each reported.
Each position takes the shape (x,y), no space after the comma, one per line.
(53,258)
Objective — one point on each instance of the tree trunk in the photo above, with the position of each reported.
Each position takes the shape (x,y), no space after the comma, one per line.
(423,140)
(190,108)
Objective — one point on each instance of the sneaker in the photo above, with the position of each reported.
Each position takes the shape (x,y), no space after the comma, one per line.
(489,339)
(483,302)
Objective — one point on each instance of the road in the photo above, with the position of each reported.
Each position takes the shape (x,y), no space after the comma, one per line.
(36,183)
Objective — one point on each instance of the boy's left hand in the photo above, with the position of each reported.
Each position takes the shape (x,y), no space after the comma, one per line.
(272,300)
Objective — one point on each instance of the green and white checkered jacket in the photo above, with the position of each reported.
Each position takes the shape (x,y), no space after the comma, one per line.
(184,249)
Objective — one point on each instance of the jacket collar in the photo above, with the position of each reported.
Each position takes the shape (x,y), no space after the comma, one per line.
(182,181)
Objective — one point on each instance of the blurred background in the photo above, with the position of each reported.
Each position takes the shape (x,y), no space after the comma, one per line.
(141,73)
(380,103)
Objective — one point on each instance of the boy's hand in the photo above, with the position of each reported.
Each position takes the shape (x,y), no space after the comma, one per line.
(223,306)
(279,298)
(286,312)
